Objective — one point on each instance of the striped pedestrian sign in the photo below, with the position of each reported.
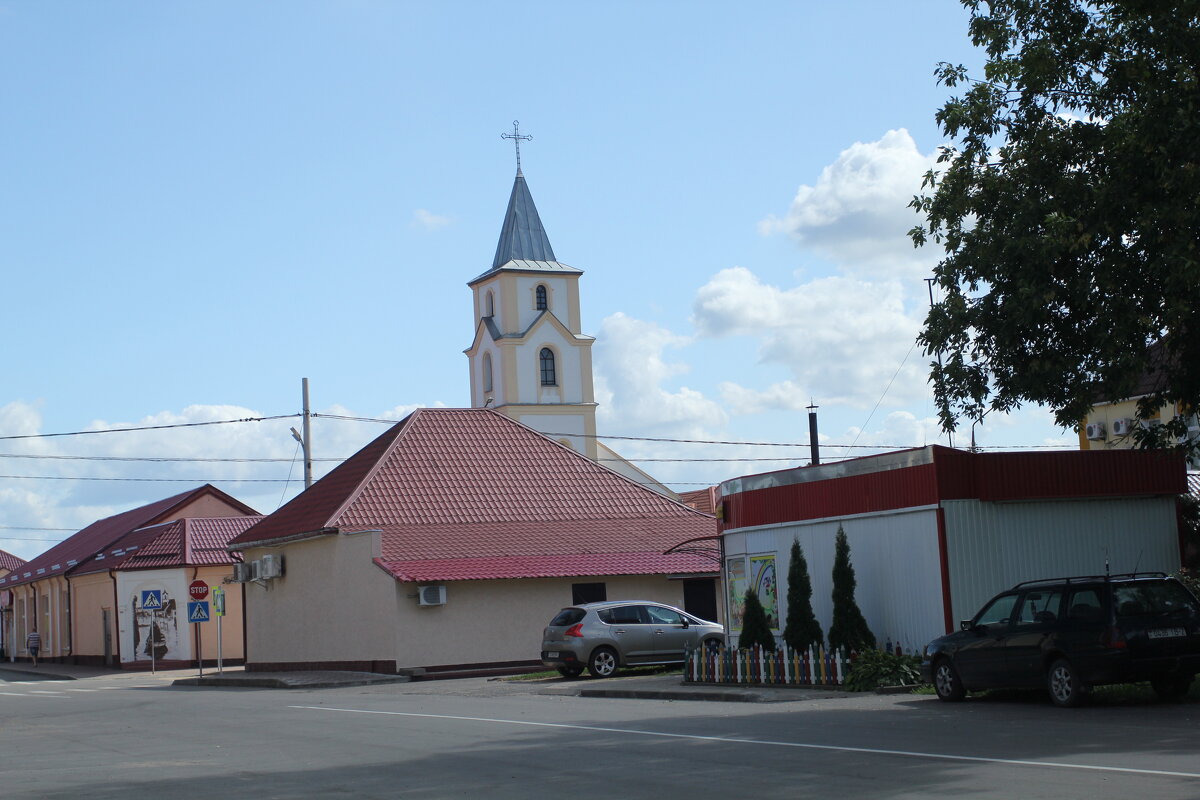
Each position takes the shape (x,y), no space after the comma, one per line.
(152,600)
(198,611)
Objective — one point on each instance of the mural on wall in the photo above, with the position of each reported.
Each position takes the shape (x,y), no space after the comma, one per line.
(156,629)
(762,580)
(735,583)
(757,573)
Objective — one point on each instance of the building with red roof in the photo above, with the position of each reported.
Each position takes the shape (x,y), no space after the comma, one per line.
(451,540)
(72,594)
(8,563)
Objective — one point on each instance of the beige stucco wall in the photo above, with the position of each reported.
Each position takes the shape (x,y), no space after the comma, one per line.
(332,604)
(91,596)
(490,621)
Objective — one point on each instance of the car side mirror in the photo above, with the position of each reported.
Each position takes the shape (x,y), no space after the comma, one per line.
(966,625)
(685,622)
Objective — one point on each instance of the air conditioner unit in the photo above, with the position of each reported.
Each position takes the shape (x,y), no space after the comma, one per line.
(254,570)
(1123,427)
(272,567)
(1095,430)
(241,573)
(431,596)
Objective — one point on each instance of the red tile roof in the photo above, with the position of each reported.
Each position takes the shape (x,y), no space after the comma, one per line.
(190,542)
(498,499)
(101,534)
(702,499)
(9,561)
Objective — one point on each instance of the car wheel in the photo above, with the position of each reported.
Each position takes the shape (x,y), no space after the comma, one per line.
(1064,685)
(946,682)
(570,672)
(603,663)
(1173,687)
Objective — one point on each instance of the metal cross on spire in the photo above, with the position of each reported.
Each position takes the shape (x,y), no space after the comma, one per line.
(517,139)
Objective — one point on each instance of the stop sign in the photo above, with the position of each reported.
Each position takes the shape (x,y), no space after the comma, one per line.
(198,590)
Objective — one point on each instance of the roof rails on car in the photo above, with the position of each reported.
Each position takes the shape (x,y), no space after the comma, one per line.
(1091,578)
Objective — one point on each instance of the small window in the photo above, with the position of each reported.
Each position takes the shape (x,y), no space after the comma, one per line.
(540,302)
(629,615)
(487,372)
(588,593)
(490,305)
(663,616)
(549,377)
(1085,606)
(1040,606)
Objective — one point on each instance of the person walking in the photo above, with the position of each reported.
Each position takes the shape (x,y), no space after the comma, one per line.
(33,643)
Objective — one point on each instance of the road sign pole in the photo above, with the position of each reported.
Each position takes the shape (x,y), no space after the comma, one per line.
(153,616)
(199,650)
(219,668)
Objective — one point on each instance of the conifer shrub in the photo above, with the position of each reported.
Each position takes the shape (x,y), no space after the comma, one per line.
(849,630)
(755,627)
(802,630)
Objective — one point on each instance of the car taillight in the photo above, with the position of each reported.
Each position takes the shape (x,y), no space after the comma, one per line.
(1114,638)
(575,630)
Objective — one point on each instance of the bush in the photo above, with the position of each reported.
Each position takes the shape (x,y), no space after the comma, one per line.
(849,629)
(802,630)
(755,627)
(875,668)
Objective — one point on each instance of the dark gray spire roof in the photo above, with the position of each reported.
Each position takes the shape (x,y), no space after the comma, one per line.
(522,238)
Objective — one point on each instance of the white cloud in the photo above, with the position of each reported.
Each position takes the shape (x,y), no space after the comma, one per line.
(429,221)
(843,339)
(857,214)
(630,370)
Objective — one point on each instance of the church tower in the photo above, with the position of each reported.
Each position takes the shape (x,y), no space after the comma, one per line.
(529,359)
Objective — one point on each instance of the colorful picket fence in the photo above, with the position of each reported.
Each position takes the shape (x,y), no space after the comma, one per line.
(785,666)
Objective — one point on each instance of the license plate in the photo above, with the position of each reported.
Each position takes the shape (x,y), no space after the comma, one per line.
(551,654)
(1165,633)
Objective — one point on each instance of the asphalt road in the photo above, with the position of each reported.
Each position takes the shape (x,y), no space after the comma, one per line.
(136,735)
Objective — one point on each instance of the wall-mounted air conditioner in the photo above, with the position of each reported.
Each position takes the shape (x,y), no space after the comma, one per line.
(1094,430)
(431,596)
(241,573)
(271,566)
(1123,427)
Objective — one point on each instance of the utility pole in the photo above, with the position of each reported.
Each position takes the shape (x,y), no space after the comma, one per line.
(305,440)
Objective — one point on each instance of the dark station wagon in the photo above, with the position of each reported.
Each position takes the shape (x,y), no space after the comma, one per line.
(1070,634)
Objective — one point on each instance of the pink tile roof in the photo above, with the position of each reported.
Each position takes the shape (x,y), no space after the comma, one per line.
(499,499)
(9,561)
(82,546)
(191,542)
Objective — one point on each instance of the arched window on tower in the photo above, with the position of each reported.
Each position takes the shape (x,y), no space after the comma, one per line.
(541,305)
(487,372)
(546,357)
(490,305)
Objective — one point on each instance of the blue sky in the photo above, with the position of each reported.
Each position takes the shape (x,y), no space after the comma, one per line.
(204,202)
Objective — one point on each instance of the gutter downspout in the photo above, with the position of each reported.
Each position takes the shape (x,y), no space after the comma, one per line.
(117,618)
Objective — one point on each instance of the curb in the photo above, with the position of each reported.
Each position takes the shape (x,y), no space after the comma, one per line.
(285,683)
(44,675)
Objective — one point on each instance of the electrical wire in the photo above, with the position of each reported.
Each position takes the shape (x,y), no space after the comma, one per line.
(150,427)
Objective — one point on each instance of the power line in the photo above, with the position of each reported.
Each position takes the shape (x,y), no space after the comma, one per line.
(150,427)
(159,459)
(30,528)
(148,480)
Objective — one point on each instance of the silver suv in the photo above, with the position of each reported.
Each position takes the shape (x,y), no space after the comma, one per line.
(622,633)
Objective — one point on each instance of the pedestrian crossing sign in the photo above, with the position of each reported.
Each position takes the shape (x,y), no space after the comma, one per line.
(152,600)
(198,611)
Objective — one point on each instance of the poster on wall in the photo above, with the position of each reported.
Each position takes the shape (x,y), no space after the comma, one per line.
(156,629)
(762,580)
(735,582)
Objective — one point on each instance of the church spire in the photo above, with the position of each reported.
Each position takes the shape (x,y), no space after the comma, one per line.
(522,238)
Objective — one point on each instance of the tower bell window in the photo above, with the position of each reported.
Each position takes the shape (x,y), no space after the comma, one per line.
(540,298)
(546,359)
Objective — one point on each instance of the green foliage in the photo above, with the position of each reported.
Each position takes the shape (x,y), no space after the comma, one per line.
(1067,207)
(802,630)
(875,668)
(1189,578)
(755,627)
(1189,527)
(849,630)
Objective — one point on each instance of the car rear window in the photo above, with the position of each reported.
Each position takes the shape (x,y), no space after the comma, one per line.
(1162,598)
(568,616)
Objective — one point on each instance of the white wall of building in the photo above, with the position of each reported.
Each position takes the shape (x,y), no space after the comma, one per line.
(134,625)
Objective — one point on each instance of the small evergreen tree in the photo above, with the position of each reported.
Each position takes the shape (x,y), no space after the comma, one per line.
(849,630)
(755,627)
(802,630)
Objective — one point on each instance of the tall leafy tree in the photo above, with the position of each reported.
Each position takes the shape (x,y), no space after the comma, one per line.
(802,630)
(849,630)
(1068,208)
(756,629)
